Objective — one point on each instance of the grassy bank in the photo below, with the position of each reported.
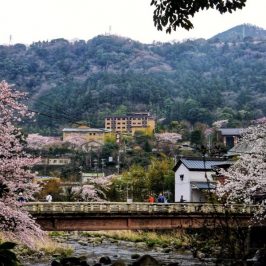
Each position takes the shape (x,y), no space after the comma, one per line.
(151,238)
(44,248)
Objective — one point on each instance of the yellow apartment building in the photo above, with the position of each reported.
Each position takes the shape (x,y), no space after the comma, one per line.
(131,123)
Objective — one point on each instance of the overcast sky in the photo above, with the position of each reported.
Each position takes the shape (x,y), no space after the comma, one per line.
(28,21)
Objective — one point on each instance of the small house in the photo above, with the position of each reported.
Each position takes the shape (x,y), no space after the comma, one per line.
(194,177)
(230,136)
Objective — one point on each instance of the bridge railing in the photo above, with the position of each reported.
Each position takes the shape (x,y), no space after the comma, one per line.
(137,207)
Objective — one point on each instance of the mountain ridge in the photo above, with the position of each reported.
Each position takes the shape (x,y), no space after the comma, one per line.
(240,32)
(195,80)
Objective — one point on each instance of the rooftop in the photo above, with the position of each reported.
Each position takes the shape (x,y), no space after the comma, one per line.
(231,131)
(89,129)
(140,114)
(200,164)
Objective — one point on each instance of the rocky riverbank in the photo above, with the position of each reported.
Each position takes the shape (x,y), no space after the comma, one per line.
(100,249)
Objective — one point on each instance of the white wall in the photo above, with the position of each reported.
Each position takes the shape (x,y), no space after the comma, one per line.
(199,176)
(184,187)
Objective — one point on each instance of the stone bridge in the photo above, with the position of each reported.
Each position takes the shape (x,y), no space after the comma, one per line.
(88,216)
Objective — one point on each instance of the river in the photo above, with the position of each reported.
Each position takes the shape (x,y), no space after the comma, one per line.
(115,250)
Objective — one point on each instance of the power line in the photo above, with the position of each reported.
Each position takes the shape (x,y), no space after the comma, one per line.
(54,117)
(70,116)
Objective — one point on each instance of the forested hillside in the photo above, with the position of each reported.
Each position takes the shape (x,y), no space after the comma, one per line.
(196,80)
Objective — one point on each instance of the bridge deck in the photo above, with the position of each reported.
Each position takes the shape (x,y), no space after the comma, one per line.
(137,207)
(86,216)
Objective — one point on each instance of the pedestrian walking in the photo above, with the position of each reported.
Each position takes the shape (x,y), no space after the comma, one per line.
(151,199)
(161,198)
(49,198)
(21,198)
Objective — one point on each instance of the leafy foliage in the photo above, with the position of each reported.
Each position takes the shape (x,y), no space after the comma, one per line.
(51,187)
(171,14)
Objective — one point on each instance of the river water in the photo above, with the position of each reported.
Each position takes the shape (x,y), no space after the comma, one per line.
(123,250)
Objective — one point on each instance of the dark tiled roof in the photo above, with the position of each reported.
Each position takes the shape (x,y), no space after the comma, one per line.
(85,130)
(148,115)
(231,131)
(203,185)
(199,164)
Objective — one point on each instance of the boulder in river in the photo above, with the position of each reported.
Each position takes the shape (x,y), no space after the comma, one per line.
(105,260)
(146,260)
(135,256)
(118,263)
(55,263)
(72,261)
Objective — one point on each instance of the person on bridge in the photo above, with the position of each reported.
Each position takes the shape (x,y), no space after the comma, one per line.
(161,198)
(151,199)
(182,199)
(49,198)
(21,198)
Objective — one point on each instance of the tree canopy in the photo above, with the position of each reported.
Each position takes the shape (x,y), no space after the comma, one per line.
(16,184)
(197,81)
(245,181)
(170,14)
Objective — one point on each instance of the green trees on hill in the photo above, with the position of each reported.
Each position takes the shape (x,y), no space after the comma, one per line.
(197,81)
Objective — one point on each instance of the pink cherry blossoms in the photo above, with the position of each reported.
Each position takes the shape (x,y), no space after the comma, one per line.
(246,179)
(168,137)
(38,142)
(94,190)
(15,175)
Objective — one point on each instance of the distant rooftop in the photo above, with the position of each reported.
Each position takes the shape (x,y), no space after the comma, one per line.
(82,129)
(139,114)
(199,164)
(244,147)
(231,131)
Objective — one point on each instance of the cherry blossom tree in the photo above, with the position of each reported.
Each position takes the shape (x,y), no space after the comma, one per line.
(246,180)
(38,142)
(15,176)
(220,123)
(94,189)
(75,140)
(168,137)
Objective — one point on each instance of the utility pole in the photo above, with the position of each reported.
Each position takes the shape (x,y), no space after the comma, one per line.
(102,164)
(118,138)
(118,162)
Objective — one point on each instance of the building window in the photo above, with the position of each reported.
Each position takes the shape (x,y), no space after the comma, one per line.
(181,177)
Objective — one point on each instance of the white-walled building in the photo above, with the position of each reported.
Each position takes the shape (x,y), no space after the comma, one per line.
(193,176)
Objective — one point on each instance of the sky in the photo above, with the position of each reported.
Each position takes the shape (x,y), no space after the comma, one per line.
(27,21)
